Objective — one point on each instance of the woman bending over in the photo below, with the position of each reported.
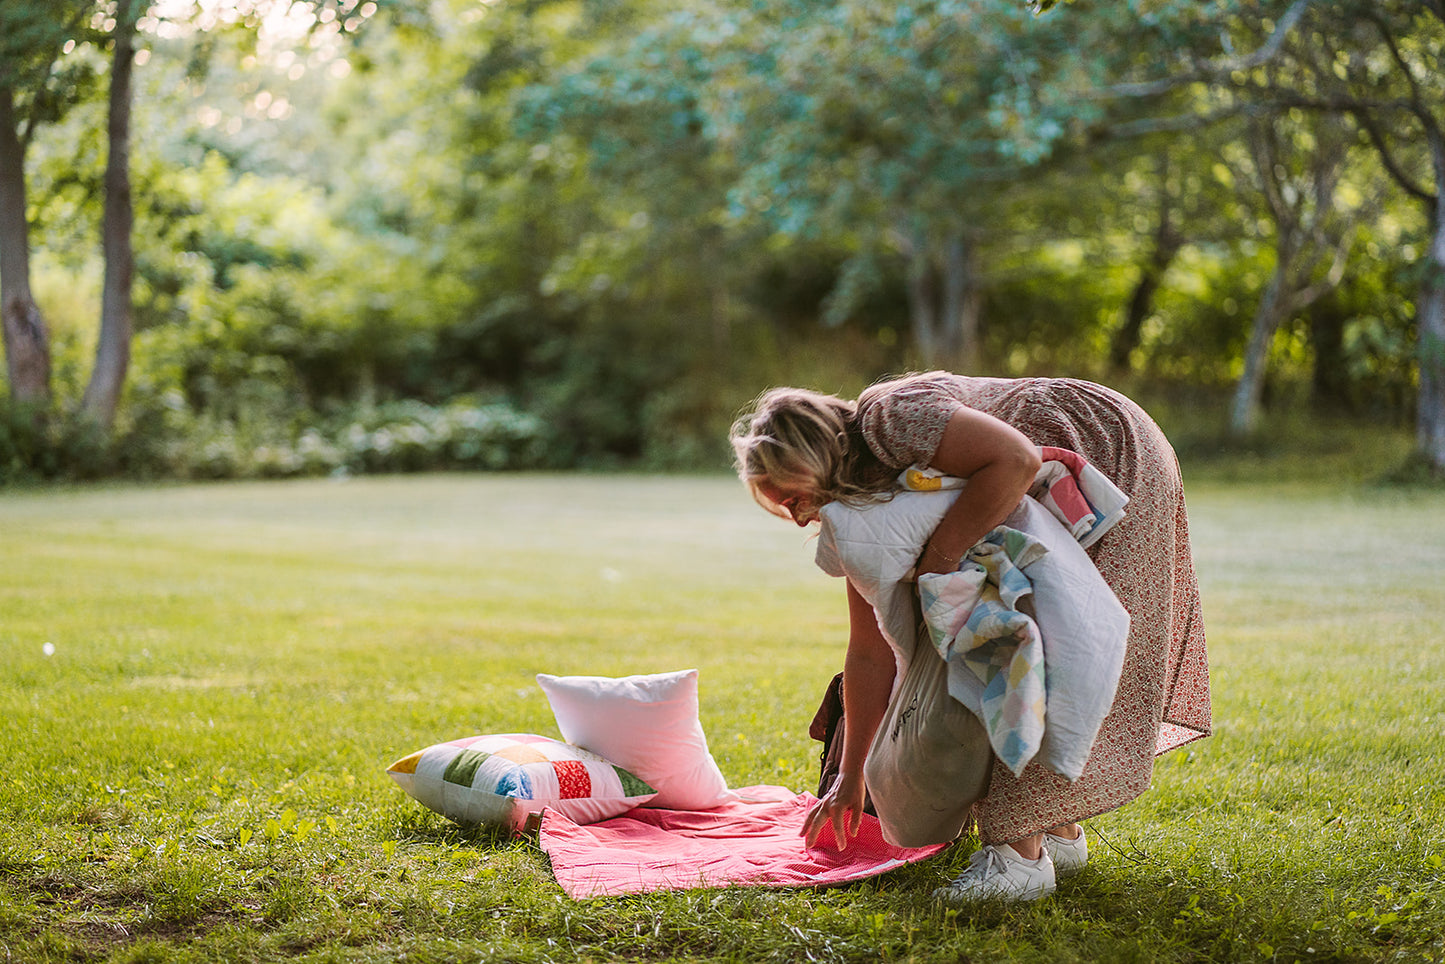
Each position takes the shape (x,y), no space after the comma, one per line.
(799,450)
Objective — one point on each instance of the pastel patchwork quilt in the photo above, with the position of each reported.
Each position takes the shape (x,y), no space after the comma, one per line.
(994,649)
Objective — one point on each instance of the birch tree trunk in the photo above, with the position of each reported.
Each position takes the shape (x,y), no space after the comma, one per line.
(27,341)
(112,354)
(1273,306)
(1430,420)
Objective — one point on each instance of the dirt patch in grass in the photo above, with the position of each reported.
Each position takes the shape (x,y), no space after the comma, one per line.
(99,919)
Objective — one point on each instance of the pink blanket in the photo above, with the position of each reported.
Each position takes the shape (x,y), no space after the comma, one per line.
(749,844)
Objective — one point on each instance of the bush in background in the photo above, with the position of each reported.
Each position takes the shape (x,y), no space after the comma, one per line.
(167,440)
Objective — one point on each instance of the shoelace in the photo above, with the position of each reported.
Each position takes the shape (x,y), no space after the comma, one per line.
(986,861)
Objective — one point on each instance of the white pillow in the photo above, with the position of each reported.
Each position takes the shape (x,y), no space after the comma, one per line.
(646,724)
(876,546)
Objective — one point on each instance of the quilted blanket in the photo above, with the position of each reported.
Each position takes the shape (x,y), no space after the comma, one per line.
(738,844)
(994,650)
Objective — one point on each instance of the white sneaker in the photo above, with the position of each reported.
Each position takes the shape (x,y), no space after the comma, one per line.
(1069,856)
(997,870)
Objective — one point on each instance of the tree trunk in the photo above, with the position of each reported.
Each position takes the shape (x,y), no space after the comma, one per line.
(27,342)
(922,306)
(1430,421)
(1244,413)
(1167,243)
(962,300)
(1329,384)
(943,298)
(112,355)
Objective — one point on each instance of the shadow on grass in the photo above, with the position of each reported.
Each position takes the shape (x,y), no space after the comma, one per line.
(420,826)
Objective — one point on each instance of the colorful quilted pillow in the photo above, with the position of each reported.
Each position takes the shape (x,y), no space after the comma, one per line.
(498,780)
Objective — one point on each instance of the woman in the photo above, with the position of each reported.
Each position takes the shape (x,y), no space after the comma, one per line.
(799,450)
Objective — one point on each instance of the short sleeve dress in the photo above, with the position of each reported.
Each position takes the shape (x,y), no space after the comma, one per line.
(1162,701)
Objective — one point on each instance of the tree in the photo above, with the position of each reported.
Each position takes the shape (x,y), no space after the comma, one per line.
(1296,172)
(904,128)
(32,56)
(112,354)
(892,130)
(1381,63)
(27,342)
(34,89)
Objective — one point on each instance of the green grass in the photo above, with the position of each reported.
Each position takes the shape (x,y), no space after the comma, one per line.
(196,772)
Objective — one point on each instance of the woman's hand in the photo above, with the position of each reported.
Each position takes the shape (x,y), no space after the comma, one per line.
(840,808)
(868,671)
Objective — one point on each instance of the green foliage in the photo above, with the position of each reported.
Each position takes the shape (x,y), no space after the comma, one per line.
(203,686)
(392,437)
(161,437)
(32,36)
(624,219)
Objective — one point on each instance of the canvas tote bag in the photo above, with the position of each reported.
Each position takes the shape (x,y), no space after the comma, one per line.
(930,760)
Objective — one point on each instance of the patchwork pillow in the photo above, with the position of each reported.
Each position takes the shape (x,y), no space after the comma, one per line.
(648,724)
(498,780)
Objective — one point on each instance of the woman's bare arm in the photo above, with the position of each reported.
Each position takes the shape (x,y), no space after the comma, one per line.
(867,682)
(999,463)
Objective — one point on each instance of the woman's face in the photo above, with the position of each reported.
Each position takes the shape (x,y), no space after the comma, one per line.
(794,499)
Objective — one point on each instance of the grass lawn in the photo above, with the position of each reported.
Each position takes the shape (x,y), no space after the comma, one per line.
(202,685)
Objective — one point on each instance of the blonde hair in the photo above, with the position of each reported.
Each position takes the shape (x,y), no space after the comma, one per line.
(798,438)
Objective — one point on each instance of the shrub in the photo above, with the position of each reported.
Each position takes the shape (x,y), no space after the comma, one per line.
(160,437)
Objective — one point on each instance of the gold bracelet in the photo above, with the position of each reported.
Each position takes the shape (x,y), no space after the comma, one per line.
(942,555)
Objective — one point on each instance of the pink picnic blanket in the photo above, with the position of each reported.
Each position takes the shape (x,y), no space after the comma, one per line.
(744,844)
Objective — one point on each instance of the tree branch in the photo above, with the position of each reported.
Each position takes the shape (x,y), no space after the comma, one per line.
(1262,146)
(41,93)
(1309,294)
(1174,124)
(1222,67)
(1388,39)
(1392,166)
